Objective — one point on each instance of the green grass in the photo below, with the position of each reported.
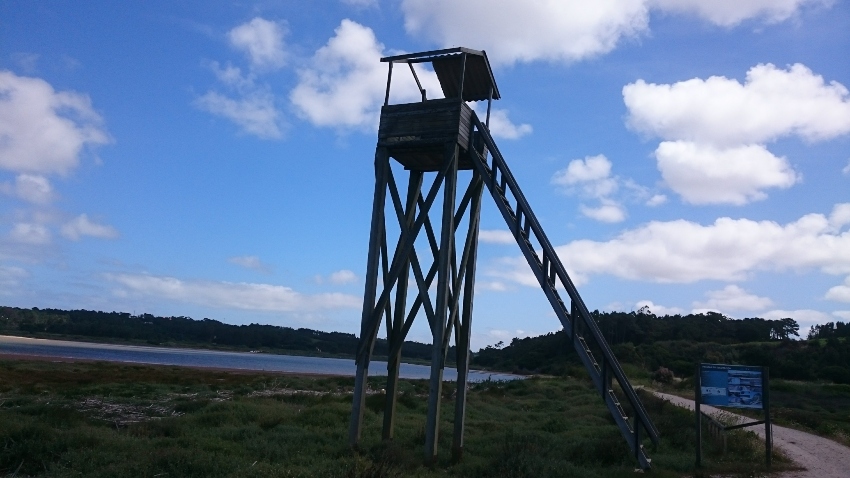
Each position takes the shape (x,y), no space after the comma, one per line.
(115,420)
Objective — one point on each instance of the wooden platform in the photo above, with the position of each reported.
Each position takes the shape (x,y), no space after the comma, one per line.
(416,134)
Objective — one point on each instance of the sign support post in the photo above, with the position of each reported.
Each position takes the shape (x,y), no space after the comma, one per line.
(736,386)
(697,400)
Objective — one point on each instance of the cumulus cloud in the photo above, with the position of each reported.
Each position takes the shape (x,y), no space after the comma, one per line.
(496,236)
(44,131)
(569,30)
(250,262)
(262,41)
(82,226)
(658,309)
(500,125)
(532,30)
(840,293)
(715,129)
(343,276)
(32,188)
(843,314)
(771,103)
(805,318)
(733,298)
(591,178)
(729,13)
(344,84)
(704,174)
(684,251)
(229,295)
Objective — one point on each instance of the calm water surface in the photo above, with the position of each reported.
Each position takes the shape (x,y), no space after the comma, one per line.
(213,358)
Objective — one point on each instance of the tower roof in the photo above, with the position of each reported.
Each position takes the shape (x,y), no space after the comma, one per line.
(448,64)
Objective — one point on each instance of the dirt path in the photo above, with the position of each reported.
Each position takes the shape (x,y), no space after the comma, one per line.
(821,457)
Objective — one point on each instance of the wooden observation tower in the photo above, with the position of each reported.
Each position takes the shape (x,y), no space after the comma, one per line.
(444,141)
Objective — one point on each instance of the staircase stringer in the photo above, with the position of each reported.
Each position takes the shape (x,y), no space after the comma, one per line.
(550,273)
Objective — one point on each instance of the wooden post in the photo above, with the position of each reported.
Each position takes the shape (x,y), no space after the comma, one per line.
(697,400)
(432,422)
(414,187)
(768,430)
(464,335)
(366,337)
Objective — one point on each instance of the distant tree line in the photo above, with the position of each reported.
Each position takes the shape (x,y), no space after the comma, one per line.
(184,330)
(830,329)
(679,342)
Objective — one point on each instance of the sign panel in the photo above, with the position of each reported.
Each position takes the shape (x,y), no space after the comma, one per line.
(735,386)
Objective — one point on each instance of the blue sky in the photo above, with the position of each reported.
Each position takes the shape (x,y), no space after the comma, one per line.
(214,159)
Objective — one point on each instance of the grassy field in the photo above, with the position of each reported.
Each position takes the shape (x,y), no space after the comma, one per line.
(114,420)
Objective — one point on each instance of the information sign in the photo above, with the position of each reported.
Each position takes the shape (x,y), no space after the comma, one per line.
(735,386)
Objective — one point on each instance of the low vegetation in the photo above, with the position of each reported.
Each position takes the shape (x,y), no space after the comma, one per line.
(102,419)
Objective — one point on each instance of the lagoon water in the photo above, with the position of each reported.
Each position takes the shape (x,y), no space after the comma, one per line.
(217,359)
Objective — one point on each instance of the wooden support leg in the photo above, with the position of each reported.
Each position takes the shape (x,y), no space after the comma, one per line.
(463,337)
(414,188)
(432,421)
(367,338)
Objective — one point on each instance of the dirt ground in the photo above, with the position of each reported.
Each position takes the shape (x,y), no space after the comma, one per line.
(821,457)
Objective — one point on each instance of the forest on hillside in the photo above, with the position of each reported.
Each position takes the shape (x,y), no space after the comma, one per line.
(647,341)
(153,330)
(679,342)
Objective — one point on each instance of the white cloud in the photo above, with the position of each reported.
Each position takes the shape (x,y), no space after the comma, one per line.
(526,31)
(345,82)
(591,178)
(568,30)
(500,125)
(254,113)
(496,236)
(715,129)
(44,131)
(244,296)
(29,187)
(843,314)
(250,262)
(805,318)
(262,41)
(683,251)
(703,174)
(30,233)
(343,276)
(840,216)
(659,310)
(82,226)
(589,169)
(729,13)
(733,298)
(771,103)
(840,293)
(656,200)
(495,286)
(609,211)
(846,169)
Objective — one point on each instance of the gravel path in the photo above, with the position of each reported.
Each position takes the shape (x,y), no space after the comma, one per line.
(821,457)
